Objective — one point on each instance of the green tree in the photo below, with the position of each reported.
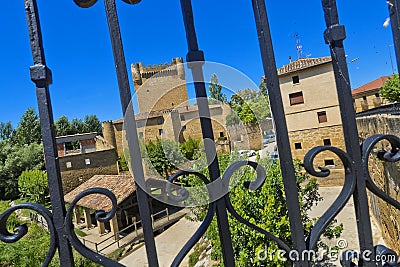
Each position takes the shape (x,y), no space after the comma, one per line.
(163,156)
(265,208)
(248,106)
(391,89)
(63,126)
(6,130)
(28,130)
(190,148)
(263,87)
(77,126)
(92,124)
(15,159)
(33,186)
(215,89)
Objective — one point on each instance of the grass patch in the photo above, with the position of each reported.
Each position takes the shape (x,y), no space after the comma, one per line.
(116,255)
(80,233)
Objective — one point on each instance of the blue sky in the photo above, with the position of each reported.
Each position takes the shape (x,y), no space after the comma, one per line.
(78,48)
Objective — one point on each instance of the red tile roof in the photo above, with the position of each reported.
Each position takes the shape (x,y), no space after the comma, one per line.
(375,84)
(303,63)
(121,185)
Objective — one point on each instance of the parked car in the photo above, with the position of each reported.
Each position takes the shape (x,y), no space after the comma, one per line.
(274,155)
(248,153)
(269,139)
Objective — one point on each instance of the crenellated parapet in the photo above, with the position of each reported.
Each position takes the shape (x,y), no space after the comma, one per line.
(141,72)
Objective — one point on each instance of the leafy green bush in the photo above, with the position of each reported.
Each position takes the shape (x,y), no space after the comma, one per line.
(265,208)
(163,156)
(15,159)
(391,89)
(189,148)
(33,186)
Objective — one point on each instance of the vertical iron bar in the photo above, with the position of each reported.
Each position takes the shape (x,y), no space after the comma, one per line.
(41,76)
(282,137)
(334,36)
(196,55)
(131,131)
(394,11)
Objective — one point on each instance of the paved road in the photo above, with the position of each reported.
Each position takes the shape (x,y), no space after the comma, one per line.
(347,217)
(168,244)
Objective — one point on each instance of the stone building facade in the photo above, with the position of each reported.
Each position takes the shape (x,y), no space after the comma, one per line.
(172,124)
(165,112)
(311,107)
(94,157)
(386,176)
(367,96)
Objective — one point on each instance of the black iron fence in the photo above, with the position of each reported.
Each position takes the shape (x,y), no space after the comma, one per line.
(355,160)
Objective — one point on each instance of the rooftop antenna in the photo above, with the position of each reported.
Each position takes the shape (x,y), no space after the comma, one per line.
(299,47)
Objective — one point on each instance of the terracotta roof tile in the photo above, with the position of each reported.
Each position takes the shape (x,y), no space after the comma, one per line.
(121,185)
(375,84)
(303,63)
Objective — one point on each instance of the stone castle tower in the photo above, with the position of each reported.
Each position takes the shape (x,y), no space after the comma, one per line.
(160,87)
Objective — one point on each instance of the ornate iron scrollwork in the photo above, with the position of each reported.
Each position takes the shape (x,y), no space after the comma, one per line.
(22,230)
(341,200)
(100,216)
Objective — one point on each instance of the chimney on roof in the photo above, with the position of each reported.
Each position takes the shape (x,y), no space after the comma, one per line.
(290,59)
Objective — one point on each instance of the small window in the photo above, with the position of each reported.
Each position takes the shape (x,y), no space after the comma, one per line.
(329,162)
(160,121)
(322,117)
(377,95)
(364,97)
(183,128)
(87,161)
(160,131)
(296,98)
(221,134)
(140,124)
(297,146)
(182,117)
(296,79)
(327,142)
(68,164)
(141,134)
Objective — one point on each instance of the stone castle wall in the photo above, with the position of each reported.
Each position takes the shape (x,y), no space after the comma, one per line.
(385,175)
